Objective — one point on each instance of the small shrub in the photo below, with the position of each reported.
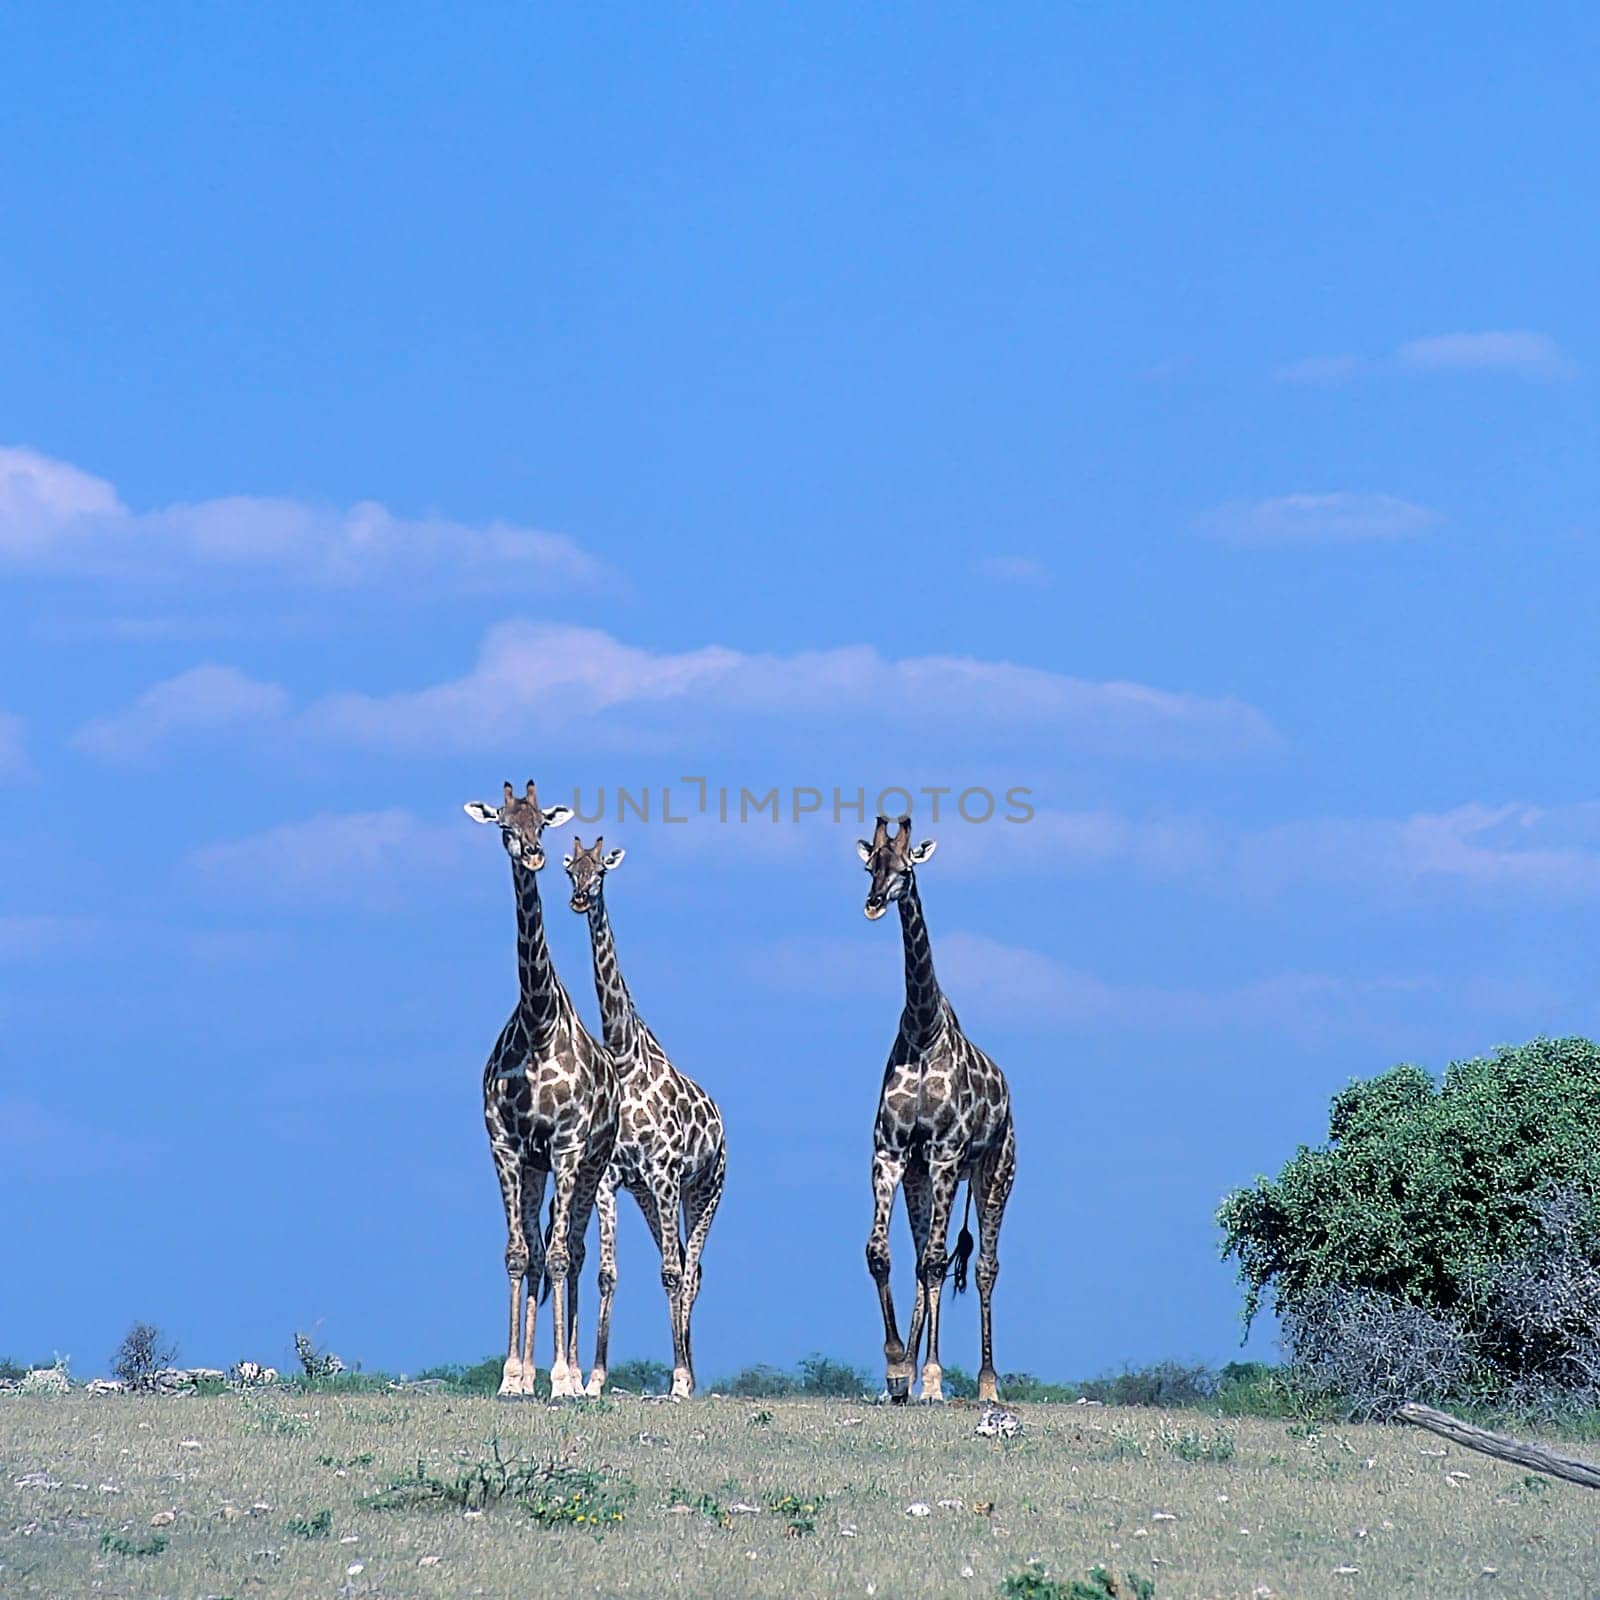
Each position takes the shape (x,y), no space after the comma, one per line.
(1033,1584)
(640,1377)
(1191,1446)
(759,1382)
(550,1492)
(705,1504)
(144,1351)
(1168,1385)
(1375,1352)
(959,1384)
(10,1372)
(1023,1387)
(116,1544)
(761,1418)
(799,1511)
(270,1420)
(315,1363)
(820,1375)
(317,1526)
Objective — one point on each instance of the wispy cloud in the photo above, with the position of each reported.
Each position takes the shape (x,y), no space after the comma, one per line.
(372,858)
(531,677)
(1532,355)
(1019,571)
(14,762)
(1310,519)
(54,517)
(1517,352)
(205,699)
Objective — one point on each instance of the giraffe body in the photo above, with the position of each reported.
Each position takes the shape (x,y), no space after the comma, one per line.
(944,1118)
(550,1102)
(670,1151)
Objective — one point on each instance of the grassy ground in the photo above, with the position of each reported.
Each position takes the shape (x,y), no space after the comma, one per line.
(268,1493)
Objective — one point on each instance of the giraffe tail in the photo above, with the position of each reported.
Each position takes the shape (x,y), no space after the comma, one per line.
(549,1234)
(958,1262)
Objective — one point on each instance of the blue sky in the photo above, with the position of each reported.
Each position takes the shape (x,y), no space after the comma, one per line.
(1188,416)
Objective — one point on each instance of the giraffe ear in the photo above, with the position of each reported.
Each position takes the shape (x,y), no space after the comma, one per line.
(921,852)
(613,859)
(863,849)
(566,861)
(556,815)
(481,812)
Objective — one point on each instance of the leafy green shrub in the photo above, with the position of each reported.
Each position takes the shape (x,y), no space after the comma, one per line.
(551,1492)
(640,1377)
(1032,1584)
(1422,1189)
(1023,1387)
(1188,1445)
(1169,1385)
(759,1382)
(10,1372)
(959,1384)
(317,1526)
(116,1544)
(820,1375)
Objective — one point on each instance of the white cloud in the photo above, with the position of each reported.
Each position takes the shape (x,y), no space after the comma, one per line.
(1079,839)
(1321,369)
(1308,519)
(1534,355)
(370,857)
(56,518)
(205,699)
(1526,354)
(1551,852)
(1022,571)
(532,677)
(14,761)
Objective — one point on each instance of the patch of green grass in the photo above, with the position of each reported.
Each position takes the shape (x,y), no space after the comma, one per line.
(1191,1445)
(273,1421)
(345,1462)
(115,1544)
(1032,1584)
(705,1504)
(799,1511)
(317,1526)
(550,1492)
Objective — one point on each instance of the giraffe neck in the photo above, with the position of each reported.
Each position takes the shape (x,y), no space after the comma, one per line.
(543,999)
(921,1013)
(618,1019)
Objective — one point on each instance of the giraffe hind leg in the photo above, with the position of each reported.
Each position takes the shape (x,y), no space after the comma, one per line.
(993,1179)
(606,1205)
(699,1211)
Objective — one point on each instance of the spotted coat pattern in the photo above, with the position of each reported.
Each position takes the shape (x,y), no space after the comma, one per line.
(944,1118)
(670,1155)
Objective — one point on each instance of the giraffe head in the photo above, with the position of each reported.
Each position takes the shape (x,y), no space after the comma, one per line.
(588,869)
(522,820)
(890,858)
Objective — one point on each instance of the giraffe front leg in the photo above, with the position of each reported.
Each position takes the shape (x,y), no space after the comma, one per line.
(532,1197)
(919,1199)
(509,1172)
(558,1262)
(606,1205)
(887,1171)
(943,1181)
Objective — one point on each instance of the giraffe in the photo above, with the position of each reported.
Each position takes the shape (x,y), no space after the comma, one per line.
(550,1104)
(670,1152)
(944,1116)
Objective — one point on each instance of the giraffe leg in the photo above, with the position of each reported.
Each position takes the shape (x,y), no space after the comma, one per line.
(577,1252)
(558,1261)
(699,1210)
(919,1200)
(944,1180)
(994,1179)
(532,1199)
(887,1171)
(509,1171)
(606,1205)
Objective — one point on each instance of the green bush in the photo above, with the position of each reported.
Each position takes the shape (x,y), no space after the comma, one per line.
(1422,1189)
(819,1375)
(1023,1387)
(639,1377)
(1168,1385)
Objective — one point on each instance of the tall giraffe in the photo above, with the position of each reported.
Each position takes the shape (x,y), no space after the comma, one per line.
(550,1104)
(670,1153)
(944,1115)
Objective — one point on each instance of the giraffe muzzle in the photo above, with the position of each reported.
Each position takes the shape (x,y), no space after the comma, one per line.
(875,908)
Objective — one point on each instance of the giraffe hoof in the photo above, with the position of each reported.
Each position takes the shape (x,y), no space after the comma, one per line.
(899,1391)
(593,1389)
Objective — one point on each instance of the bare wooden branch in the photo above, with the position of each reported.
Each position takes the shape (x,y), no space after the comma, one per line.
(1537,1456)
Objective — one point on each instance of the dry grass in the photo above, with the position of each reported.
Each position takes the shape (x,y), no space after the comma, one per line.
(1349,1511)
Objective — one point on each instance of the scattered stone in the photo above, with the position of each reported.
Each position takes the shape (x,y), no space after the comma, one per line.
(104,1386)
(46,1380)
(919,1508)
(163,1519)
(427,1561)
(952,1505)
(37,1480)
(996,1421)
